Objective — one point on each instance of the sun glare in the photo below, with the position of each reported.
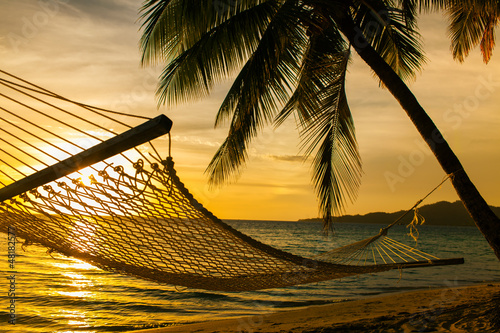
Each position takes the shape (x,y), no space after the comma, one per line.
(63,150)
(86,175)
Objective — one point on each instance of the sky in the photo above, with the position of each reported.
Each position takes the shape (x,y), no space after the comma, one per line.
(88,51)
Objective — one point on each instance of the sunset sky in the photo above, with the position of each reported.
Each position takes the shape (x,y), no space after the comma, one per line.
(88,51)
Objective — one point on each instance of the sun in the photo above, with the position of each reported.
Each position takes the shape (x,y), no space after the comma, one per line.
(85,175)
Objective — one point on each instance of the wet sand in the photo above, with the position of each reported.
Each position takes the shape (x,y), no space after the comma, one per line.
(473,308)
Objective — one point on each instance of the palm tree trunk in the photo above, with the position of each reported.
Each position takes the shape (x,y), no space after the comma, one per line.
(484,218)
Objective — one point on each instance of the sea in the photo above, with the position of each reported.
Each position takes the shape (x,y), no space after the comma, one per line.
(54,293)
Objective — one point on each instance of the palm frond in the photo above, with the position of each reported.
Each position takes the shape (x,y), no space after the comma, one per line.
(200,54)
(172,26)
(433,5)
(488,40)
(214,56)
(466,30)
(316,72)
(262,85)
(337,163)
(326,123)
(229,157)
(409,11)
(385,28)
(473,25)
(156,35)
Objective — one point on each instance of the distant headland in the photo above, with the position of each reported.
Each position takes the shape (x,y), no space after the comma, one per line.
(439,213)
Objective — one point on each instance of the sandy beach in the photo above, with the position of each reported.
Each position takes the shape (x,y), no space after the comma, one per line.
(451,309)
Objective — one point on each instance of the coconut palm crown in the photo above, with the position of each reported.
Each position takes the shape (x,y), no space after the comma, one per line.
(291,58)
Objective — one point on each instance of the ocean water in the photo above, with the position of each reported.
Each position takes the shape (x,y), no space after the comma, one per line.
(60,294)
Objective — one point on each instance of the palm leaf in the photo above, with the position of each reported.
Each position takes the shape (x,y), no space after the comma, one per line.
(203,56)
(262,85)
(386,29)
(337,163)
(473,25)
(156,32)
(313,76)
(466,30)
(327,129)
(172,26)
(433,5)
(409,12)
(488,40)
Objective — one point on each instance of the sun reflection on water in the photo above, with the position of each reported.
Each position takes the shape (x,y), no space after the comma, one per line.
(73,263)
(75,318)
(75,293)
(76,284)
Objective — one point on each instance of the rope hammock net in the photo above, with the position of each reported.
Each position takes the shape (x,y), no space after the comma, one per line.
(82,182)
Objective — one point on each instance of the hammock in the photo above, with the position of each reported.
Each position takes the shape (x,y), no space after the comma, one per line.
(80,181)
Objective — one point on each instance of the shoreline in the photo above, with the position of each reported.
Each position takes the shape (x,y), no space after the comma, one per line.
(473,308)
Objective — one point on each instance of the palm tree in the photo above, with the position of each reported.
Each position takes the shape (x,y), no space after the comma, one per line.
(292,58)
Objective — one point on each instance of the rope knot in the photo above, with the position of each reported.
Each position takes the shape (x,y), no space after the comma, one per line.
(93,180)
(52,193)
(78,182)
(139,166)
(63,185)
(103,174)
(168,163)
(25,197)
(383,231)
(118,169)
(35,193)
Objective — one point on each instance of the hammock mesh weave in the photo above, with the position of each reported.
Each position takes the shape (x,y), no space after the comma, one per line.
(131,214)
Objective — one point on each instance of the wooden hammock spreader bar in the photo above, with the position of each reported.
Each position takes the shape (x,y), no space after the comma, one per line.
(145,132)
(430,262)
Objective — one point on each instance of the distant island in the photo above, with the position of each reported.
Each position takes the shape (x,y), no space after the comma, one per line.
(439,213)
